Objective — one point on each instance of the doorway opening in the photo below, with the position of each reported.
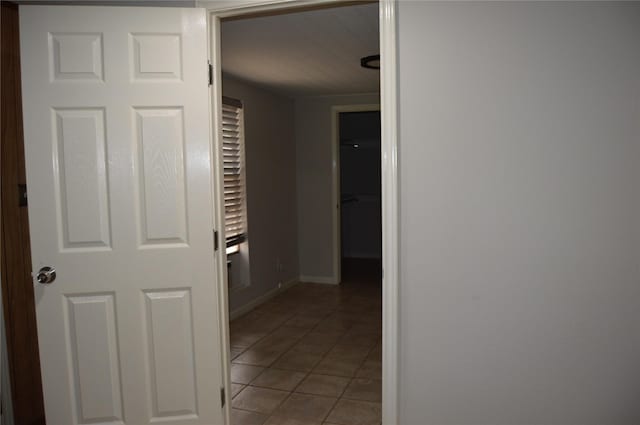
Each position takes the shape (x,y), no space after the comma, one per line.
(306,345)
(358,137)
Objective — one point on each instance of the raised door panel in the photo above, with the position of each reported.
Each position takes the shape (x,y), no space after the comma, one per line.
(169,327)
(75,57)
(156,57)
(82,183)
(162,191)
(93,348)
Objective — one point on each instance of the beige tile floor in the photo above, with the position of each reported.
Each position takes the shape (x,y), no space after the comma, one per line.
(311,355)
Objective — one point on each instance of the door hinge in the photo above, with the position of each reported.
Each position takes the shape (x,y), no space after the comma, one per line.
(222,396)
(210,69)
(22,195)
(215,240)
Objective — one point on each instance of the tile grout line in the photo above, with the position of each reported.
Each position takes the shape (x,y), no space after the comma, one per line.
(307,373)
(323,357)
(280,356)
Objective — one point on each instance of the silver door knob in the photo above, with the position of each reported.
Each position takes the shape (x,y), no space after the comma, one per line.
(46,275)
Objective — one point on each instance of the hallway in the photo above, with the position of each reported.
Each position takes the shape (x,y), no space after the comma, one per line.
(312,355)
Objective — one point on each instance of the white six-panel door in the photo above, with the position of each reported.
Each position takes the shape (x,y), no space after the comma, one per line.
(116,122)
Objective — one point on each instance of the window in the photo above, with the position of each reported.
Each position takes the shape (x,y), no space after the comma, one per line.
(234,176)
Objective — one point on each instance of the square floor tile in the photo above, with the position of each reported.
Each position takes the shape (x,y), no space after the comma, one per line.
(332,386)
(275,342)
(242,417)
(241,339)
(306,407)
(243,374)
(351,412)
(367,328)
(312,348)
(365,341)
(261,400)
(364,389)
(319,308)
(278,379)
(258,357)
(370,369)
(349,352)
(235,352)
(303,322)
(281,420)
(270,321)
(337,367)
(293,360)
(235,389)
(321,338)
(289,332)
(375,354)
(333,325)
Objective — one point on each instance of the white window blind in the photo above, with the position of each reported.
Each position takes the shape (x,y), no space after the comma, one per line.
(234,176)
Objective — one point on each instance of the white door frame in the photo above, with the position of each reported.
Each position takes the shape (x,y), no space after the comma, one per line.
(336,110)
(390,225)
(215,98)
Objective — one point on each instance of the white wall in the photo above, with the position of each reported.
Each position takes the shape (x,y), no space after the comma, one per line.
(520,213)
(313,127)
(271,190)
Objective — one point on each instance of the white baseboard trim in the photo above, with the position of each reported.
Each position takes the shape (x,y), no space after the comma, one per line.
(331,280)
(242,310)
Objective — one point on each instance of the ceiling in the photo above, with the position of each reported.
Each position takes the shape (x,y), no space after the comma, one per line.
(310,53)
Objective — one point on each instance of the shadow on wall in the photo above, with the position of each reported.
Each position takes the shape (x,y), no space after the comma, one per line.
(269,257)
